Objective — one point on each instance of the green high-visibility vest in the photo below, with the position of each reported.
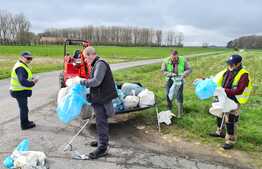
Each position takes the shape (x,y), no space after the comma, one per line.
(242,98)
(170,67)
(15,84)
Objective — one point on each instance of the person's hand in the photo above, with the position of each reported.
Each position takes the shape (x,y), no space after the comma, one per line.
(35,80)
(83,82)
(171,74)
(197,80)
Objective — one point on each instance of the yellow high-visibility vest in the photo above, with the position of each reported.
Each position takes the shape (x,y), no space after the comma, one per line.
(243,98)
(15,84)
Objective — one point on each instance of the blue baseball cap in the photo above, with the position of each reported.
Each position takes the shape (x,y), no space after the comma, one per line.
(26,54)
(234,59)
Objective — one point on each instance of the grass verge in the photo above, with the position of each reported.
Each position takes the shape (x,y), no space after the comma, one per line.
(197,122)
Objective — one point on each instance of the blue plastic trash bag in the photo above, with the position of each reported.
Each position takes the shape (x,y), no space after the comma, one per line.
(118,105)
(177,84)
(87,93)
(71,106)
(22,146)
(8,162)
(118,102)
(205,89)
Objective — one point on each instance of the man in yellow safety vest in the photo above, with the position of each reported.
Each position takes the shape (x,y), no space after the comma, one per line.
(175,68)
(21,85)
(237,84)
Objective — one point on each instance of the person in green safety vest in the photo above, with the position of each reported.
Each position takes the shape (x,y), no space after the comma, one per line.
(237,84)
(21,84)
(173,67)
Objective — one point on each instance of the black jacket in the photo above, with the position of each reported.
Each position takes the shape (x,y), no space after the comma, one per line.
(102,85)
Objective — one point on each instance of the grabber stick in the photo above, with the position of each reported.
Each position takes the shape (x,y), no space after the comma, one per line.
(222,123)
(69,146)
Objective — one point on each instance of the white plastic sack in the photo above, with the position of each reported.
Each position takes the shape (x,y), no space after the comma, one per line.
(146,98)
(177,84)
(129,88)
(131,102)
(30,160)
(223,104)
(73,81)
(165,117)
(61,94)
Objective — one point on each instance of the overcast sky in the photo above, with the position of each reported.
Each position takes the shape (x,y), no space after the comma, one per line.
(212,21)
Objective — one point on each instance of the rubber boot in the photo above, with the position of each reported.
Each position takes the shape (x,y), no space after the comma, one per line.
(230,140)
(179,109)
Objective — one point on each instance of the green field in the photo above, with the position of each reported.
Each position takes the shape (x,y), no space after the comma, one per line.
(48,58)
(104,51)
(197,122)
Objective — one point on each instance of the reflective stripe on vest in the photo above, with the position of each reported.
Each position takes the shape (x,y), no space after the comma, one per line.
(243,98)
(181,65)
(15,84)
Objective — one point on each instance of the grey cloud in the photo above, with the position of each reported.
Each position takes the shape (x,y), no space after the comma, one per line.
(223,19)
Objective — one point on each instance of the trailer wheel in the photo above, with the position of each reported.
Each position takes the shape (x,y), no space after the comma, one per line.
(61,80)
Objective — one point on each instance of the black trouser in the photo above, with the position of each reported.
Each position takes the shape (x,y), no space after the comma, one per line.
(23,108)
(230,124)
(103,112)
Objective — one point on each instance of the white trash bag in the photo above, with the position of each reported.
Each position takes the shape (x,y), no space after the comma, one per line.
(131,102)
(146,98)
(174,89)
(223,104)
(165,117)
(72,81)
(30,160)
(61,94)
(65,90)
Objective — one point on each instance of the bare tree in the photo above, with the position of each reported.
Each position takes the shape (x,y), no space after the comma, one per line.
(115,35)
(4,24)
(180,39)
(23,26)
(14,27)
(170,38)
(159,37)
